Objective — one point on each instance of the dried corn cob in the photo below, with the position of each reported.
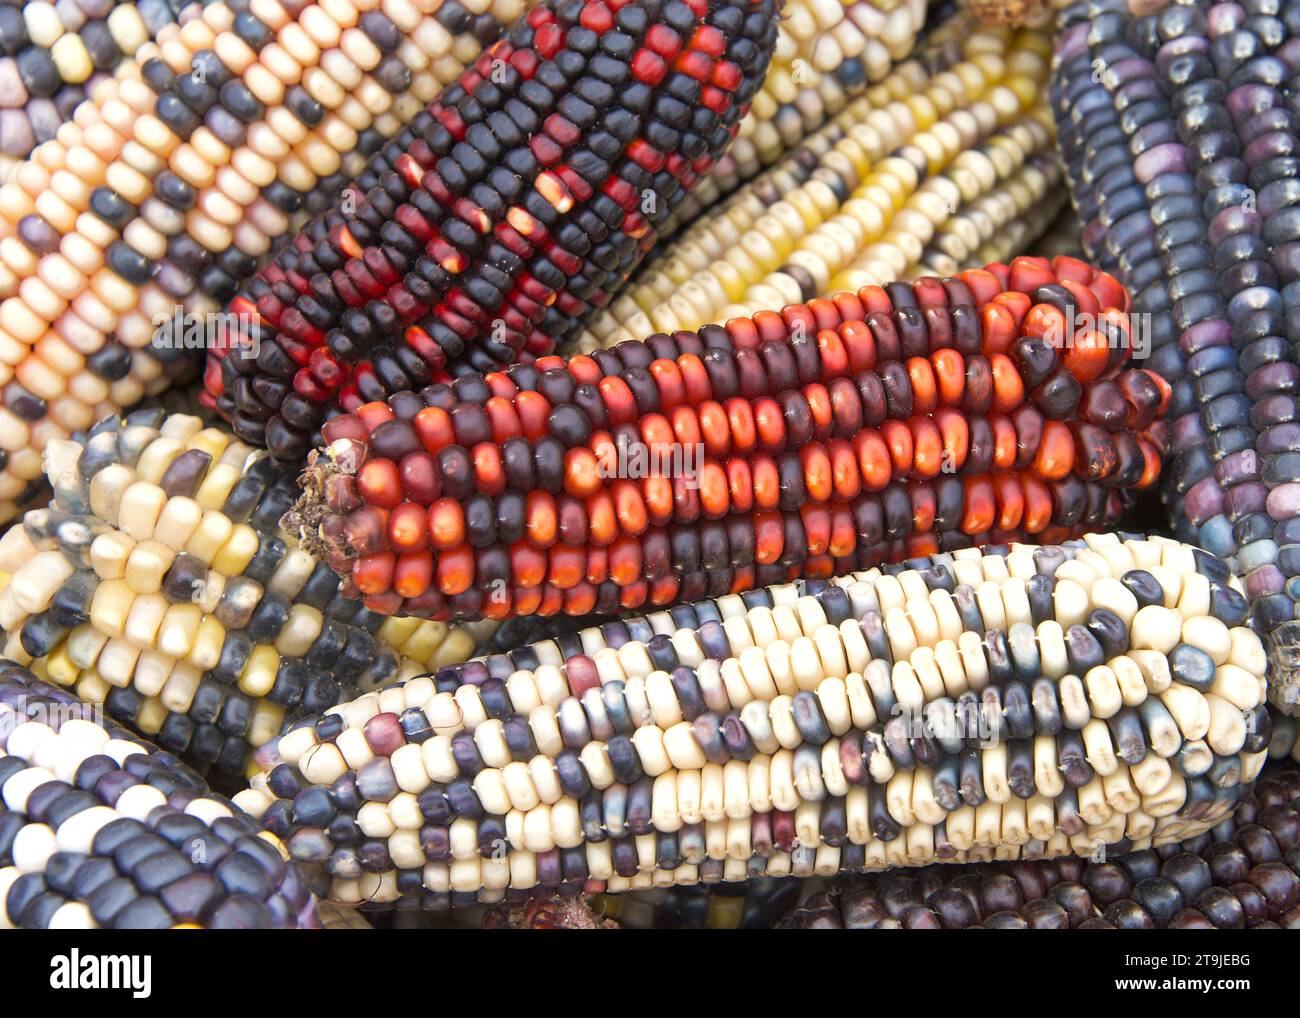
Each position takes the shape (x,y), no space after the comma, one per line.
(824,438)
(1027,702)
(178,175)
(870,208)
(1244,874)
(52,55)
(159,585)
(528,191)
(1178,128)
(100,829)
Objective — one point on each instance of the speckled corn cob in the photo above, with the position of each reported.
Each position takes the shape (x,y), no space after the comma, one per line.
(52,55)
(1028,702)
(832,436)
(100,829)
(869,215)
(526,193)
(1179,130)
(160,585)
(169,185)
(1245,873)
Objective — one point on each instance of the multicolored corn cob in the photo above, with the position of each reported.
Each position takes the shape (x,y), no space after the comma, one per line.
(53,55)
(165,190)
(1246,873)
(1179,132)
(98,829)
(1022,702)
(828,437)
(527,192)
(901,161)
(159,584)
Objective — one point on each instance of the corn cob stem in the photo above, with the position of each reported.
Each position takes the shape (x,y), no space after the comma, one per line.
(160,585)
(784,733)
(177,176)
(100,829)
(1246,873)
(775,455)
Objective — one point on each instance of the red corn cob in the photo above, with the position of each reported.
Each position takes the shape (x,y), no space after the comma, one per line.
(524,195)
(868,427)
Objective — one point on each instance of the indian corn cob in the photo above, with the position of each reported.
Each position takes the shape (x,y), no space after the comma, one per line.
(100,829)
(832,436)
(52,55)
(165,189)
(908,161)
(526,193)
(1245,873)
(1179,131)
(160,585)
(1020,702)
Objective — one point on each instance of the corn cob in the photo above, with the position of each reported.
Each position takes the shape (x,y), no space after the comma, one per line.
(159,585)
(52,55)
(821,439)
(517,203)
(870,208)
(100,829)
(1178,129)
(1246,873)
(177,176)
(862,725)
